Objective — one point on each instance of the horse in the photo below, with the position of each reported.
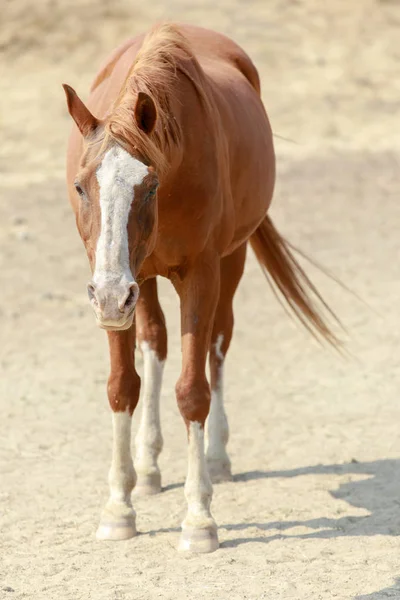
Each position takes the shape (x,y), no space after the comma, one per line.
(170,172)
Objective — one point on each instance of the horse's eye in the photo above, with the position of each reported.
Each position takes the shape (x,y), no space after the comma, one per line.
(78,189)
(152,192)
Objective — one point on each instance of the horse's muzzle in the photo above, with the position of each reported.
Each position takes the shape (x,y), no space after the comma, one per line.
(113,303)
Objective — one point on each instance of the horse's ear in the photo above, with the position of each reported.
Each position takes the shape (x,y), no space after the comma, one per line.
(145,112)
(82,116)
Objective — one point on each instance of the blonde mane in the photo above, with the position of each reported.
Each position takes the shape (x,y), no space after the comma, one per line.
(164,51)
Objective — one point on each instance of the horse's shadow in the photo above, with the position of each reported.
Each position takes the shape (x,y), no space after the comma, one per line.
(379,494)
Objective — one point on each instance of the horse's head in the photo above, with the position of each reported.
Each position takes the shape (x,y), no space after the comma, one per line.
(116,212)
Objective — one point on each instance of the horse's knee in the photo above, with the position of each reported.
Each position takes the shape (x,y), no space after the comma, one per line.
(123,390)
(193,397)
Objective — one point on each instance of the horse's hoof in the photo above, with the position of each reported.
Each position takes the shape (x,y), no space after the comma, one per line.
(117,530)
(148,485)
(199,540)
(219,471)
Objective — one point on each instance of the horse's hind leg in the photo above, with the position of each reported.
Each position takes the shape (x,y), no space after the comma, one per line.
(219,465)
(152,339)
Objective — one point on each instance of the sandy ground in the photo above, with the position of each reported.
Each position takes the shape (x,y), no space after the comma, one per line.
(314,509)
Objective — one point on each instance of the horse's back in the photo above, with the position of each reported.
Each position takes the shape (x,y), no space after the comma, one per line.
(207,46)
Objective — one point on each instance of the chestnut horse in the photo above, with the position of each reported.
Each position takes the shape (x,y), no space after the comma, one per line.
(172,177)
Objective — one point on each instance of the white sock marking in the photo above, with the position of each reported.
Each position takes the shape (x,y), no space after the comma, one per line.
(122,475)
(217,422)
(117,176)
(198,488)
(149,439)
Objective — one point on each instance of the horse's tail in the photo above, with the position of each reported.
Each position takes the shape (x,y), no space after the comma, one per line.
(282,269)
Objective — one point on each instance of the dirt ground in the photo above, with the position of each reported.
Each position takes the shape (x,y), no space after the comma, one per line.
(314,508)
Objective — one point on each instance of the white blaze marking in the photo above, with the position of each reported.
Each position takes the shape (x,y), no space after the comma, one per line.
(198,488)
(117,176)
(149,439)
(122,475)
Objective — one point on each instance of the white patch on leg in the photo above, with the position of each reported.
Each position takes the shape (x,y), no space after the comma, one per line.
(199,530)
(117,177)
(198,487)
(118,518)
(149,439)
(217,426)
(122,475)
(218,346)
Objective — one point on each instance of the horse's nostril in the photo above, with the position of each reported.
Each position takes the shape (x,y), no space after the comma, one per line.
(130,299)
(91,293)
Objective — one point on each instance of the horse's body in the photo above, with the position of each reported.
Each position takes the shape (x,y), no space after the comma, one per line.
(180,108)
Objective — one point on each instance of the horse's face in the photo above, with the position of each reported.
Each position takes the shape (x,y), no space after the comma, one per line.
(116,219)
(116,215)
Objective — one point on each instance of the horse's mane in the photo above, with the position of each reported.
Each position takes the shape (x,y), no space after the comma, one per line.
(164,52)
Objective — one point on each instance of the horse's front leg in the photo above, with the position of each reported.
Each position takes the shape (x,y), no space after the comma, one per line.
(198,291)
(118,520)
